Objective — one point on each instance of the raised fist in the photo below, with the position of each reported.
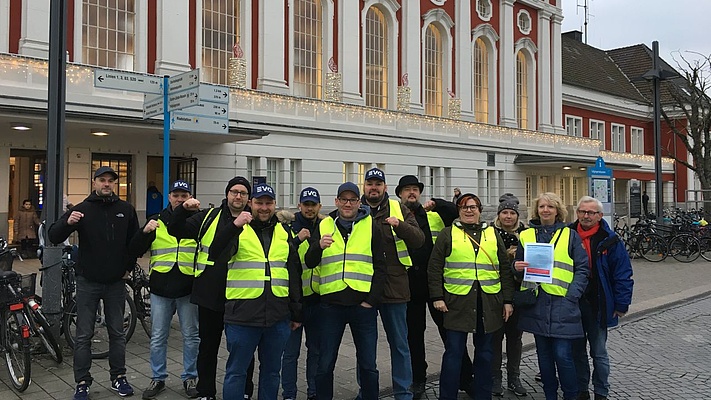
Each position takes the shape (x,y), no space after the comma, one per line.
(192,204)
(244,218)
(326,241)
(151,226)
(74,217)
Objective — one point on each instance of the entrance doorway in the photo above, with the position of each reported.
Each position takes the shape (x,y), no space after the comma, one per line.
(180,168)
(27,173)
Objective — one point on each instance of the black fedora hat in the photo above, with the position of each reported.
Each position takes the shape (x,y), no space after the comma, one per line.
(406,181)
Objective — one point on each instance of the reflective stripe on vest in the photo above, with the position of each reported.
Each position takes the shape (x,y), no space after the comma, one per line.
(436,224)
(309,276)
(400,245)
(166,251)
(201,261)
(562,262)
(247,269)
(347,264)
(464,266)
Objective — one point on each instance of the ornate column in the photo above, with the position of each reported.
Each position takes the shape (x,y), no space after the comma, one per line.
(463,51)
(507,65)
(349,33)
(271,46)
(544,72)
(34,36)
(411,48)
(173,36)
(556,76)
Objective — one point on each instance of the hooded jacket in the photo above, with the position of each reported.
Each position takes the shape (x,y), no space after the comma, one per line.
(397,287)
(26,224)
(105,232)
(556,316)
(611,275)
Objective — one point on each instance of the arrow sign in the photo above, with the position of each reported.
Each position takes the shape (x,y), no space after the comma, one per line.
(152,106)
(183,99)
(214,93)
(207,109)
(184,81)
(129,81)
(199,124)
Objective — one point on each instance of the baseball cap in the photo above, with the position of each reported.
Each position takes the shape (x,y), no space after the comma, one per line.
(105,170)
(348,187)
(309,194)
(180,185)
(262,190)
(375,173)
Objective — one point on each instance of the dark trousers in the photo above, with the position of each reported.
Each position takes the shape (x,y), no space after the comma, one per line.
(513,349)
(88,296)
(465,372)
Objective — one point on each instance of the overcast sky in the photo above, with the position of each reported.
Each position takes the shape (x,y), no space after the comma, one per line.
(678,25)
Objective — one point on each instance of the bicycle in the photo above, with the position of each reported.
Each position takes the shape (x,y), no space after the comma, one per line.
(39,326)
(14,330)
(139,284)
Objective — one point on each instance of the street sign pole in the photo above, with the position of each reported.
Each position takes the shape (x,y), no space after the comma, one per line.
(166,143)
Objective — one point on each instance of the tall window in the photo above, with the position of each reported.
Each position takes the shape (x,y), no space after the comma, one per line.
(108,33)
(481,81)
(521,90)
(574,126)
(597,131)
(220,31)
(273,172)
(434,56)
(122,165)
(637,140)
(376,59)
(617,136)
(308,48)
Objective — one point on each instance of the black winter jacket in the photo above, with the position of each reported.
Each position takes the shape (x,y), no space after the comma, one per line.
(105,231)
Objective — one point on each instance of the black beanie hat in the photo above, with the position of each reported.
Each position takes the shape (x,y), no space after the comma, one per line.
(239,180)
(508,201)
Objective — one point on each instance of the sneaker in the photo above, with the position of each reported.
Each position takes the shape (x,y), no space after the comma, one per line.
(538,377)
(583,396)
(496,388)
(247,397)
(515,386)
(418,390)
(154,388)
(122,387)
(208,398)
(82,392)
(190,387)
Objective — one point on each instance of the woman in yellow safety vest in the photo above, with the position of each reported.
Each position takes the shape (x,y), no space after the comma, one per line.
(554,318)
(474,290)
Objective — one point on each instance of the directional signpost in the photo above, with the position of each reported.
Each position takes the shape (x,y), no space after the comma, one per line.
(152,106)
(129,81)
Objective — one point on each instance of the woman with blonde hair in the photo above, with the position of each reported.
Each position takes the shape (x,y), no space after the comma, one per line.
(554,317)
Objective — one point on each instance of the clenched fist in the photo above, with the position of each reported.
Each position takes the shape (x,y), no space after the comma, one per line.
(303,234)
(326,241)
(244,218)
(74,217)
(151,226)
(392,221)
(192,204)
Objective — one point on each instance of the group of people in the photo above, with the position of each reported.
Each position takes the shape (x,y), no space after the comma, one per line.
(268,278)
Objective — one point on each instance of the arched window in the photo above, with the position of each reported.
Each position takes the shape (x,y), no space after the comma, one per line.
(522,90)
(308,49)
(220,31)
(433,82)
(109,34)
(376,58)
(481,81)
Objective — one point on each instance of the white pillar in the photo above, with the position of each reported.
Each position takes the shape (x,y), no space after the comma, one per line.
(34,36)
(507,66)
(463,51)
(4,26)
(410,49)
(173,36)
(557,76)
(140,184)
(349,62)
(271,47)
(544,71)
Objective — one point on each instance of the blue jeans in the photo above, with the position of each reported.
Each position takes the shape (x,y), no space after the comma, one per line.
(88,295)
(242,341)
(394,317)
(162,311)
(364,328)
(597,337)
(454,347)
(555,353)
(290,361)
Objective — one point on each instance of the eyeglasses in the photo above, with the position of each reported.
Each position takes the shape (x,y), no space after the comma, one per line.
(352,201)
(469,208)
(238,193)
(588,213)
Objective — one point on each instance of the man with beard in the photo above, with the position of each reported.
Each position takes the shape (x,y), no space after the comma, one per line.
(399,231)
(431,217)
(106,225)
(210,272)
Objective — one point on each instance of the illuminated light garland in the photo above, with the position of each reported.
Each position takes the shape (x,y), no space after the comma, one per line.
(454,109)
(403,98)
(334,87)
(237,73)
(637,158)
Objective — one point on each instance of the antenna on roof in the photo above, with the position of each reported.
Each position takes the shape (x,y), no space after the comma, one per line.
(586,9)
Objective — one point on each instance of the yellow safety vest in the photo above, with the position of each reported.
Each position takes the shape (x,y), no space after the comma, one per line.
(400,245)
(309,276)
(201,261)
(247,269)
(562,262)
(166,251)
(436,224)
(347,264)
(464,265)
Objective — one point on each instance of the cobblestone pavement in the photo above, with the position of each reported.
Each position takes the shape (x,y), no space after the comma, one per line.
(666,355)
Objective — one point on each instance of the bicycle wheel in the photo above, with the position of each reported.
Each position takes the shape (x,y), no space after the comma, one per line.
(45,336)
(142,300)
(705,244)
(685,248)
(652,247)
(16,342)
(100,340)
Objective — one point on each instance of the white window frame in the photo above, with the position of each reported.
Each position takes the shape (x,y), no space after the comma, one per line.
(521,22)
(574,125)
(389,9)
(597,131)
(617,137)
(489,36)
(528,49)
(444,23)
(484,9)
(327,13)
(636,140)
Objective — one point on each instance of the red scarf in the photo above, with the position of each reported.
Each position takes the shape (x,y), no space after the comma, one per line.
(586,235)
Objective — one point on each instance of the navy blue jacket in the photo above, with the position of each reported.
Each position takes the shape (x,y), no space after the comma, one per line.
(614,275)
(556,316)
